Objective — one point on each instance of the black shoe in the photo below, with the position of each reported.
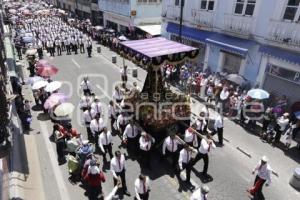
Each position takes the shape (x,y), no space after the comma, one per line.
(126,192)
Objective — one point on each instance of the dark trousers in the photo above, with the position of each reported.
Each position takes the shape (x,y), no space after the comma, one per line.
(107,149)
(112,121)
(174,157)
(88,131)
(58,49)
(220,135)
(205,159)
(52,50)
(145,158)
(82,50)
(278,135)
(60,145)
(93,192)
(132,145)
(123,179)
(95,140)
(144,196)
(188,169)
(89,50)
(75,48)
(68,49)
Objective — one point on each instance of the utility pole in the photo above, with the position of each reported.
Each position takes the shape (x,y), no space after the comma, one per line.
(180,19)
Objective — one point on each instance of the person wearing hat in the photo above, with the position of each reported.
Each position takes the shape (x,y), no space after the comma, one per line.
(200,193)
(263,176)
(185,161)
(170,149)
(88,116)
(93,179)
(146,142)
(282,124)
(117,167)
(130,138)
(97,106)
(142,187)
(105,143)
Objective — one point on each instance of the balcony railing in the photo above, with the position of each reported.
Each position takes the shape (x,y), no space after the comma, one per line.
(203,18)
(172,12)
(284,32)
(238,24)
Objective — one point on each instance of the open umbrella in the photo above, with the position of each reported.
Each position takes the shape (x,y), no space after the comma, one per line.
(47,71)
(39,84)
(53,86)
(122,38)
(31,52)
(54,99)
(42,63)
(64,109)
(258,94)
(236,78)
(32,80)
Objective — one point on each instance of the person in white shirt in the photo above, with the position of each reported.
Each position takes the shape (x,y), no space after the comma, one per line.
(88,116)
(58,46)
(105,143)
(97,106)
(86,86)
(200,123)
(85,102)
(185,161)
(224,96)
(117,167)
(200,193)
(97,126)
(282,124)
(205,147)
(117,95)
(170,148)
(142,187)
(130,137)
(146,142)
(122,122)
(190,137)
(263,176)
(81,45)
(218,126)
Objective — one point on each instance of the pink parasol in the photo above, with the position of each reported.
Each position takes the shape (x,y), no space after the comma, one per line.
(55,99)
(47,70)
(42,63)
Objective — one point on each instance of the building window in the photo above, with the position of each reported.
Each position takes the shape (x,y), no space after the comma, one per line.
(245,7)
(232,63)
(207,4)
(292,10)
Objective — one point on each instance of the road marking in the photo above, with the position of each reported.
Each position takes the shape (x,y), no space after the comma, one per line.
(77,65)
(64,194)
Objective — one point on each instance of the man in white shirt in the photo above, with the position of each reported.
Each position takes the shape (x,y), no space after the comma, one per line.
(170,149)
(224,96)
(117,167)
(190,137)
(185,162)
(88,116)
(117,95)
(263,176)
(142,187)
(205,147)
(97,106)
(96,126)
(105,143)
(200,123)
(86,86)
(218,126)
(130,137)
(85,102)
(112,114)
(146,142)
(122,122)
(200,193)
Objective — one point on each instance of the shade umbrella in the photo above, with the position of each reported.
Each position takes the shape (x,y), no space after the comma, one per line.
(258,94)
(47,71)
(42,63)
(55,99)
(64,109)
(31,52)
(39,84)
(32,80)
(53,86)
(123,38)
(236,78)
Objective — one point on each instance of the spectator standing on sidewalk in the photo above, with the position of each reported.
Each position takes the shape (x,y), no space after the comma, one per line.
(263,176)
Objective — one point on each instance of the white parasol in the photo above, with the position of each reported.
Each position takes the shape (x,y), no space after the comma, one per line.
(31,52)
(39,84)
(53,86)
(64,109)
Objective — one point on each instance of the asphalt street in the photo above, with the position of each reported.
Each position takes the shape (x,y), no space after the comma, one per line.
(229,168)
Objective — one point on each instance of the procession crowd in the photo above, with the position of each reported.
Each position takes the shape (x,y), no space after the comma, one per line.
(55,35)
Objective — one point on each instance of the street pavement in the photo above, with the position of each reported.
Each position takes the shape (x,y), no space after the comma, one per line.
(229,168)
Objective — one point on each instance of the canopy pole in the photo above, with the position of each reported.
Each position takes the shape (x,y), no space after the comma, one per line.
(180,20)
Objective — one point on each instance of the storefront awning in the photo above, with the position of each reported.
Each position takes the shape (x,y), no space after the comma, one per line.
(281,54)
(189,32)
(231,44)
(151,29)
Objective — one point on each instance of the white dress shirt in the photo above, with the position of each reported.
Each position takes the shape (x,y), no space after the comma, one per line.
(191,137)
(85,85)
(117,95)
(88,116)
(283,122)
(121,120)
(197,195)
(117,166)
(184,157)
(141,187)
(146,144)
(111,111)
(205,147)
(130,132)
(85,102)
(104,139)
(200,124)
(97,125)
(264,171)
(97,107)
(218,123)
(224,95)
(171,145)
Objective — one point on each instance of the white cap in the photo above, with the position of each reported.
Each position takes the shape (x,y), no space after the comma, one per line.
(204,189)
(264,159)
(94,169)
